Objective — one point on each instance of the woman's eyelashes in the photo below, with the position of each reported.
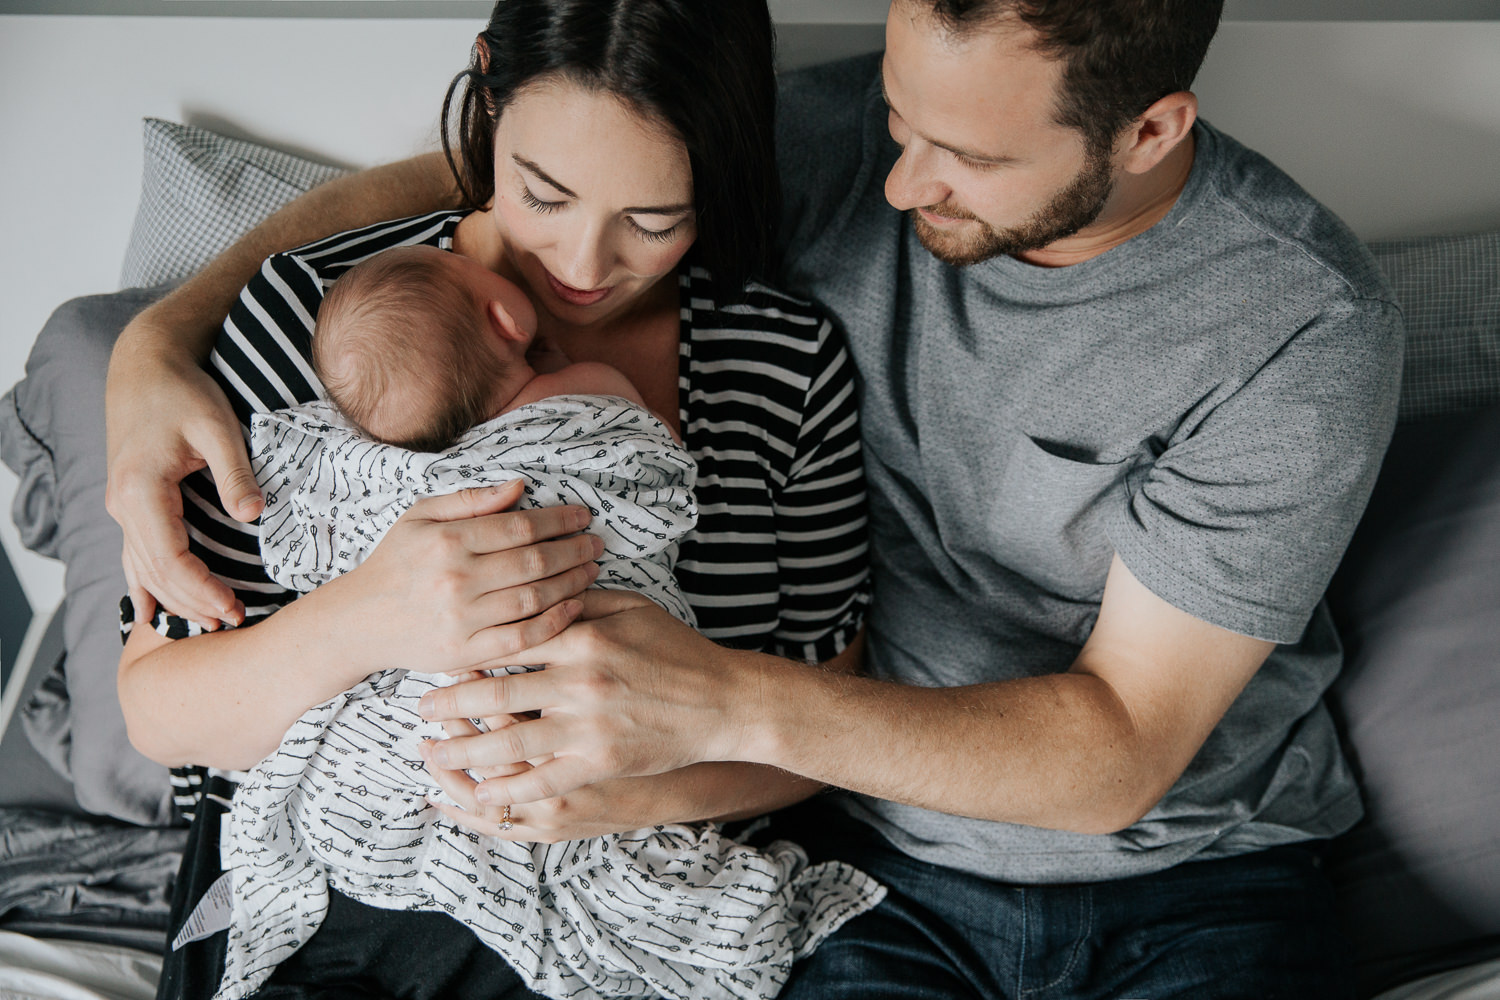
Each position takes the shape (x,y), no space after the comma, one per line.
(536,204)
(654,235)
(543,207)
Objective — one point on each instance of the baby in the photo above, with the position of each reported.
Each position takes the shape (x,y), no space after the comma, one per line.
(424,355)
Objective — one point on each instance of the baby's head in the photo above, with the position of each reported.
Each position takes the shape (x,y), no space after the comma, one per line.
(416,345)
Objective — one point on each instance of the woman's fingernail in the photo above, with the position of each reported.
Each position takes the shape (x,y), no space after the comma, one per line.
(426,706)
(438,754)
(572,608)
(484,795)
(598,546)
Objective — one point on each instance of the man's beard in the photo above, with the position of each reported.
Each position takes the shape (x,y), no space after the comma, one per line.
(1074,207)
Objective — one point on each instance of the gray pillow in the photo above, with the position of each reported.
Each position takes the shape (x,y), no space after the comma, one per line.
(1417,600)
(1449,290)
(52,437)
(200,191)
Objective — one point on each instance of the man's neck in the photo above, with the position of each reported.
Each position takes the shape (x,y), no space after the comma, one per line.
(1139,201)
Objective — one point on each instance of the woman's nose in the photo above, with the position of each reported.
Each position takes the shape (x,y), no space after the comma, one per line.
(586,263)
(913,181)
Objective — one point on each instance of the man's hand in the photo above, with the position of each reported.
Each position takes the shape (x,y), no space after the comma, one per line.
(628,690)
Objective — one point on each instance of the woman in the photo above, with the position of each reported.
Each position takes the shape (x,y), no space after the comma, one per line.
(598,142)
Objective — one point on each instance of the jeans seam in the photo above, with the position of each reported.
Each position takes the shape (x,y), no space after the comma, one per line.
(1078,942)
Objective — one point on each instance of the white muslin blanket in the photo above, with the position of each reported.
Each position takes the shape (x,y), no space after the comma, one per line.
(675,911)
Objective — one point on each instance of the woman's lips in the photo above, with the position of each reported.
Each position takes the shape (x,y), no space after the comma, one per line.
(574,296)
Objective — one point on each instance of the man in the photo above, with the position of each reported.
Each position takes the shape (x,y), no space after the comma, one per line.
(1125,390)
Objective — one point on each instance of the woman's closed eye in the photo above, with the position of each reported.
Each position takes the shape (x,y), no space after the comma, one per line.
(650,235)
(536,204)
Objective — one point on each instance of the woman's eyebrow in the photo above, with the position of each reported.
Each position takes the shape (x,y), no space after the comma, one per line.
(531,166)
(677,209)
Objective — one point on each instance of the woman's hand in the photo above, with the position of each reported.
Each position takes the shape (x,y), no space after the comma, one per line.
(166,419)
(461,582)
(630,692)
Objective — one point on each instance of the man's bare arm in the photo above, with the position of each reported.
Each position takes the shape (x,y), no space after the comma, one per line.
(1090,750)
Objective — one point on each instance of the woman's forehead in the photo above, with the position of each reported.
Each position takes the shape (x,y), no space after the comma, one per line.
(592,138)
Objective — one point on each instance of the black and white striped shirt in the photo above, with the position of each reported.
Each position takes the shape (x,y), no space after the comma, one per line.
(767,404)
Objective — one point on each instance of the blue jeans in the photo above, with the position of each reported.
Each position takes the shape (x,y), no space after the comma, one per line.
(1257,927)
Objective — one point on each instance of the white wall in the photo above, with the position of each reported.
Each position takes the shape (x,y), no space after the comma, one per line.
(1395,125)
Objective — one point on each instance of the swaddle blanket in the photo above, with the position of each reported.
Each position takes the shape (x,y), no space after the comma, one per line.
(674,911)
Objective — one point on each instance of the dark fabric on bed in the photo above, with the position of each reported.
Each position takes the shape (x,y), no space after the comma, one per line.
(1417,600)
(27,779)
(52,437)
(359,951)
(86,874)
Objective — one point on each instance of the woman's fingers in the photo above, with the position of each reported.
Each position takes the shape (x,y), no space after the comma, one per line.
(528,529)
(467,504)
(555,778)
(178,581)
(502,748)
(513,602)
(499,645)
(229,464)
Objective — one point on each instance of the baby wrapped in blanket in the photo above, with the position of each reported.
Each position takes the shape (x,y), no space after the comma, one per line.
(676,911)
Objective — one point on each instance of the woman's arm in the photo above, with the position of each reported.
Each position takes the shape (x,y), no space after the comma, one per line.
(166,418)
(450,587)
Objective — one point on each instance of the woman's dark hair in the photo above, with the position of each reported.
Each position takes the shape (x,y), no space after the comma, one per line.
(702,68)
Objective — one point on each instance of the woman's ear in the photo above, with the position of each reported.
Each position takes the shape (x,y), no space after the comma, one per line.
(482,53)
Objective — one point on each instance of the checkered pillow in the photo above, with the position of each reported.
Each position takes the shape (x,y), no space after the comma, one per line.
(201,191)
(1449,289)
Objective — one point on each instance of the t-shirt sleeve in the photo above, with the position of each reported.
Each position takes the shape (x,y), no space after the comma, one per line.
(822,552)
(1244,516)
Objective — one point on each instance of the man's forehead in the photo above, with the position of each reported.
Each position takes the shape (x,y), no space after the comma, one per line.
(980,89)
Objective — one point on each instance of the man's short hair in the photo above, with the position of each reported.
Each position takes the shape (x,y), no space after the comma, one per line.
(1119,56)
(404,318)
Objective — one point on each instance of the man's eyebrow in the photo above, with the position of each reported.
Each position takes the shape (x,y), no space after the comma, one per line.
(967,154)
(675,209)
(531,166)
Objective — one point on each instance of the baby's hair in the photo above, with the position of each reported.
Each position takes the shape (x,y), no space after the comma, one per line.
(404,318)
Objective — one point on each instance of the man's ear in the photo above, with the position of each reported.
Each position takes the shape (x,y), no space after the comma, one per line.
(1157,132)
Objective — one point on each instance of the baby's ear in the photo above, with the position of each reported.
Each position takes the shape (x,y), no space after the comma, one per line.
(513,317)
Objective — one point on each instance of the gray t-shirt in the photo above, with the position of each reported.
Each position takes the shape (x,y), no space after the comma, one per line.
(1209,400)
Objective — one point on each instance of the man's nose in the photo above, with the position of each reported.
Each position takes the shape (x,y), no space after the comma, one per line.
(913,182)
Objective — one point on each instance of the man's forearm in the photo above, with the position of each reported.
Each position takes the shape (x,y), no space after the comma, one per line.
(1056,751)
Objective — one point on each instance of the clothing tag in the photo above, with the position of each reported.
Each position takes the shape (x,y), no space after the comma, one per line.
(211,915)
